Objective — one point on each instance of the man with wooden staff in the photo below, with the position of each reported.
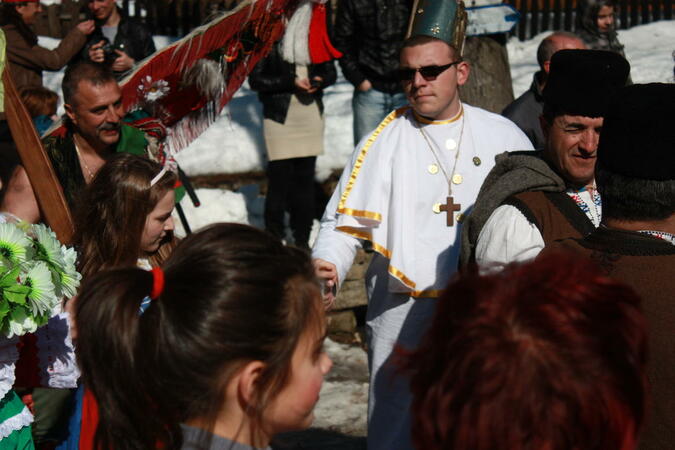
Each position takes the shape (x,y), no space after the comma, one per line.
(93,130)
(406,191)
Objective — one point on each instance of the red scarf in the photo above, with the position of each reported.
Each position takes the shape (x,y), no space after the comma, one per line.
(320,48)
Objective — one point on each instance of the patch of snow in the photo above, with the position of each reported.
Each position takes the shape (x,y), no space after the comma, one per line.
(233,144)
(222,206)
(648,48)
(349,362)
(343,404)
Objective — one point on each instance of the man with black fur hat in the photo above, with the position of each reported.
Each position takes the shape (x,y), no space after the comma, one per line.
(530,199)
(636,241)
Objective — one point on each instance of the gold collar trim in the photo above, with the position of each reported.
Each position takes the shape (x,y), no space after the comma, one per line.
(426,121)
(362,156)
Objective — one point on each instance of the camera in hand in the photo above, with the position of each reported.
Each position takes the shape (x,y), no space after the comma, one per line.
(109,53)
(315,83)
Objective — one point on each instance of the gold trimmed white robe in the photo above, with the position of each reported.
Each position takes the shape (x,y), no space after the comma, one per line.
(386,195)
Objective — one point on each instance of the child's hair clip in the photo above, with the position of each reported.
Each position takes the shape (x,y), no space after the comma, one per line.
(157,288)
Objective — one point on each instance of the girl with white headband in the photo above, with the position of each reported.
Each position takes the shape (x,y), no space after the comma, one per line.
(124,217)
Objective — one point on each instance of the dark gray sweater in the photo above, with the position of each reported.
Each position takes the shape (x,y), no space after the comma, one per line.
(198,439)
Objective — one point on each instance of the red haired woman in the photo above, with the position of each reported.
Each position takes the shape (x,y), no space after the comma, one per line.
(548,355)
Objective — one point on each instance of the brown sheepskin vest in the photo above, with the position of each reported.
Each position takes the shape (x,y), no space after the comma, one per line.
(555,214)
(647,265)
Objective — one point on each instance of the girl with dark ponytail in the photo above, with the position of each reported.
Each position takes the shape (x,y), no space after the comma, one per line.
(221,349)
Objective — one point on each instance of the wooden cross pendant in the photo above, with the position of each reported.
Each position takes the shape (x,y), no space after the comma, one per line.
(450,207)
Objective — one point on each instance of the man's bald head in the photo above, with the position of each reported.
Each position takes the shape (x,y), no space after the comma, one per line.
(560,40)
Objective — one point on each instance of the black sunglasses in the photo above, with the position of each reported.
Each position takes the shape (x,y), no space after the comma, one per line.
(428,72)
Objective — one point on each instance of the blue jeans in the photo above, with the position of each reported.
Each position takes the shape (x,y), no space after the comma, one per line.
(370,107)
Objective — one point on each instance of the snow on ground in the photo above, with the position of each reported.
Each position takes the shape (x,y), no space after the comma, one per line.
(344,395)
(236,210)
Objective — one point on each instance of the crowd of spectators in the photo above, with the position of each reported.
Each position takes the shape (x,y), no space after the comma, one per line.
(520,292)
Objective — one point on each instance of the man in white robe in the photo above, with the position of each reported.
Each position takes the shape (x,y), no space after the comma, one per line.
(531,199)
(394,193)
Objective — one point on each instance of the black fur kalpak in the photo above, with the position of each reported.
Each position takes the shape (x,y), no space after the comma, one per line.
(581,82)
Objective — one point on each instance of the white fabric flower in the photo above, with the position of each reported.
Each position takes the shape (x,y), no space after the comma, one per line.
(153,90)
(21,323)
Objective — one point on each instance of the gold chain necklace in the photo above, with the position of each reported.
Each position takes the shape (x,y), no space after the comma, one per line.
(452,176)
(86,167)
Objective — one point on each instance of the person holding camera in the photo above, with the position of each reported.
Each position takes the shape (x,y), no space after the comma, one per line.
(291,94)
(118,40)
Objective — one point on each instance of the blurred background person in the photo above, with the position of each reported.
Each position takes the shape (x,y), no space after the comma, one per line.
(290,87)
(41,104)
(118,40)
(596,25)
(26,58)
(547,355)
(526,110)
(370,36)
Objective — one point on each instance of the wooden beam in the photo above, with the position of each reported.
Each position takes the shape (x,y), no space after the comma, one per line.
(46,186)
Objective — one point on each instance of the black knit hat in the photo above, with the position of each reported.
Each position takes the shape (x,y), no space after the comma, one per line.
(581,82)
(638,133)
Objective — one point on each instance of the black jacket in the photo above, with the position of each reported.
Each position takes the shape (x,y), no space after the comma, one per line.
(525,111)
(133,38)
(370,33)
(274,80)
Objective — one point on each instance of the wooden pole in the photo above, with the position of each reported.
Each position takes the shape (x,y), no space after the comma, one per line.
(46,186)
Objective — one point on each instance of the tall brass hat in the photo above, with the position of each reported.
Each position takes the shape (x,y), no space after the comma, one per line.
(442,19)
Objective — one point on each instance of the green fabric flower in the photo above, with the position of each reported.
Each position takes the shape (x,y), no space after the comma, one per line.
(41,296)
(47,247)
(70,278)
(13,243)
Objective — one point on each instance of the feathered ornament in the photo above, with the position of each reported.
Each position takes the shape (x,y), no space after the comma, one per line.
(167,107)
(306,38)
(186,85)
